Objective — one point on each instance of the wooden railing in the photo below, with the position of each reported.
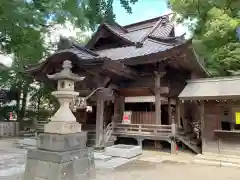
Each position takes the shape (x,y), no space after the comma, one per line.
(108,132)
(145,129)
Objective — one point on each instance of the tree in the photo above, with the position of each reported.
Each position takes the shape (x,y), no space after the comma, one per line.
(214,27)
(24,26)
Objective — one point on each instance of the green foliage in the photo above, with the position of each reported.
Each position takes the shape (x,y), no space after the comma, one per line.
(24,25)
(214,31)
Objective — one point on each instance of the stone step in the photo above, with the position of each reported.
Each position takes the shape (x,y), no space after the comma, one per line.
(217,160)
(91,136)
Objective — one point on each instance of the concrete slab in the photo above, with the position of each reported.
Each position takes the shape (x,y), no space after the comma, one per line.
(28,142)
(217,159)
(123,151)
(101,156)
(112,163)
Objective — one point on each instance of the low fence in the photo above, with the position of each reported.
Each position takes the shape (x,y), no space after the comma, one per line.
(9,129)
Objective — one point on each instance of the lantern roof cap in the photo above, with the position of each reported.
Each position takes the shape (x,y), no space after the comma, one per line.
(66,73)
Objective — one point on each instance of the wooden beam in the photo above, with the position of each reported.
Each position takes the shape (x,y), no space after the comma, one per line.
(102,81)
(202,122)
(99,122)
(121,106)
(158,76)
(170,119)
(120,69)
(178,115)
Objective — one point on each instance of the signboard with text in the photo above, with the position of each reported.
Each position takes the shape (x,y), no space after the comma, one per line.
(237,117)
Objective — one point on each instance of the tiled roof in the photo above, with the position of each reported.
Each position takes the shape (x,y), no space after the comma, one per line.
(137,35)
(159,27)
(118,32)
(149,47)
(211,88)
(163,30)
(139,31)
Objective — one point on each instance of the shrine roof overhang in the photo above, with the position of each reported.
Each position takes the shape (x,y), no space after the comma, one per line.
(82,61)
(119,61)
(212,89)
(178,55)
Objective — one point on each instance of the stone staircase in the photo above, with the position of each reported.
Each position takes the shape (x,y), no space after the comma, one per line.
(217,159)
(91,138)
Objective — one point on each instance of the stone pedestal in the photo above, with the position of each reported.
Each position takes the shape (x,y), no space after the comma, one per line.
(61,152)
(62,127)
(60,157)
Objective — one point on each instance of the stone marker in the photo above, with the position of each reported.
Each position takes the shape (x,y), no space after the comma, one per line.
(61,150)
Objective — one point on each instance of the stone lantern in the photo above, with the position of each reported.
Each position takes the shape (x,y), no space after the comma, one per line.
(61,150)
(63,121)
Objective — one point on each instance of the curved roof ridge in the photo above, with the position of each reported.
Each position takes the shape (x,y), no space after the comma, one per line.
(146,21)
(171,40)
(118,25)
(159,22)
(119,34)
(112,30)
(83,48)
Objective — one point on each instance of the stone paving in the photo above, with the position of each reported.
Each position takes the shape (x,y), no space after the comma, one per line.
(149,166)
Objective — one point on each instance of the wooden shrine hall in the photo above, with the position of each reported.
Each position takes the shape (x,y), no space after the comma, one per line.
(134,74)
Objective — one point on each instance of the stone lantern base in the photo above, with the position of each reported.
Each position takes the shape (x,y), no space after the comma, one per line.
(62,127)
(60,157)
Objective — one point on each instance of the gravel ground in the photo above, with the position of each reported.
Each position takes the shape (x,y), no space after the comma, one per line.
(141,170)
(12,162)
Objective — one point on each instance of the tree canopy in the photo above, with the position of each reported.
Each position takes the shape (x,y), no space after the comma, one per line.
(24,26)
(214,25)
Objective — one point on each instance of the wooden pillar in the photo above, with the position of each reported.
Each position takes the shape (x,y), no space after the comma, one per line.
(170,119)
(184,120)
(173,140)
(158,98)
(99,122)
(121,107)
(178,114)
(116,112)
(202,122)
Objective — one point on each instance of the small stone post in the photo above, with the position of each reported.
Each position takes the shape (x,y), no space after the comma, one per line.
(61,150)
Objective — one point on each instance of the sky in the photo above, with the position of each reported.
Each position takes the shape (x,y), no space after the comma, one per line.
(142,10)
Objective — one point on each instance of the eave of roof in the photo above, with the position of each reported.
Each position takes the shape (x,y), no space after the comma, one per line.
(212,88)
(83,55)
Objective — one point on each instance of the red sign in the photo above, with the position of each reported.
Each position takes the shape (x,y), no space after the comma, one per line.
(126,118)
(10,116)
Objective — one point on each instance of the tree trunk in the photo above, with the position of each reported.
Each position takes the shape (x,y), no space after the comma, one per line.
(38,105)
(23,108)
(18,106)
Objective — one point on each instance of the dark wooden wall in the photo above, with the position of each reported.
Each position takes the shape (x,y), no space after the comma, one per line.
(141,117)
(211,119)
(223,142)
